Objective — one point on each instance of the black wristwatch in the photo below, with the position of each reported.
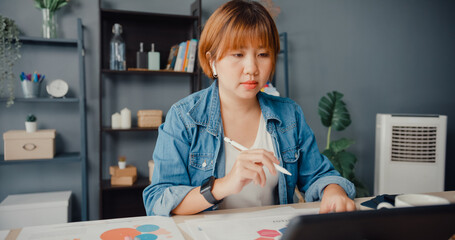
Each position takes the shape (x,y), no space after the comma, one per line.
(206,190)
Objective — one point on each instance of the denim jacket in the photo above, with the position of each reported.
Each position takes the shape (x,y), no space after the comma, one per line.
(190,148)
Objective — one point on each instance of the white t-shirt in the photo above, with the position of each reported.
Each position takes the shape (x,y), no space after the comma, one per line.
(252,195)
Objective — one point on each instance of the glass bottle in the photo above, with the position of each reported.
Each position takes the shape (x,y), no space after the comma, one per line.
(117,57)
(141,57)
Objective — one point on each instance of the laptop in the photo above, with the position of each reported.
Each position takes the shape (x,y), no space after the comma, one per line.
(428,222)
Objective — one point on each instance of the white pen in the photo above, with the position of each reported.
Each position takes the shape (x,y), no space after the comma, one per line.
(242,148)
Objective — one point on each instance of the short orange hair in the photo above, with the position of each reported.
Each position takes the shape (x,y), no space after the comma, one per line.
(234,25)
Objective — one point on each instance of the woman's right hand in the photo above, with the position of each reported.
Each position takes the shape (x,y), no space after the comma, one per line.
(248,167)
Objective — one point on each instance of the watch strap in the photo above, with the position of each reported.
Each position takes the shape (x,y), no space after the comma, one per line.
(206,190)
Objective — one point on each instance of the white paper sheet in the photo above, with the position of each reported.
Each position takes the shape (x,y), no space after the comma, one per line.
(243,225)
(3,234)
(271,227)
(155,227)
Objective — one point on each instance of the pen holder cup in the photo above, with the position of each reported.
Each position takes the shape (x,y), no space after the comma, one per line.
(31,89)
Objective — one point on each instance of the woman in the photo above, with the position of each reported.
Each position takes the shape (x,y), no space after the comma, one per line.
(196,170)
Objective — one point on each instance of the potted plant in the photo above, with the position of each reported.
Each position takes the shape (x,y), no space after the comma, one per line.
(334,114)
(122,162)
(48,9)
(30,123)
(9,53)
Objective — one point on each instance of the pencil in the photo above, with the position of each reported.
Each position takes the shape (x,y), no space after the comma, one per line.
(242,148)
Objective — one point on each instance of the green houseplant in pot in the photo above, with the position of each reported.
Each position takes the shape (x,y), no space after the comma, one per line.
(122,162)
(334,115)
(30,123)
(9,54)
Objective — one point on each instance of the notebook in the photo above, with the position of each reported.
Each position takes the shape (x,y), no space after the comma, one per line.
(429,222)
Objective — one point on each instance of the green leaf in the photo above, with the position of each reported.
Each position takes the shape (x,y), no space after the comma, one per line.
(39,3)
(324,111)
(333,112)
(31,118)
(328,153)
(347,161)
(340,145)
(61,4)
(332,157)
(53,6)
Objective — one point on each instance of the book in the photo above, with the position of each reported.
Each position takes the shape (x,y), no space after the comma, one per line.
(179,61)
(174,59)
(172,55)
(191,55)
(185,58)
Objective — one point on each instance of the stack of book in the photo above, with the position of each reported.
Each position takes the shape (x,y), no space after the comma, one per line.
(182,56)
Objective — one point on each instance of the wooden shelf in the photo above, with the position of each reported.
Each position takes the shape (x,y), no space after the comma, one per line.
(140,183)
(59,158)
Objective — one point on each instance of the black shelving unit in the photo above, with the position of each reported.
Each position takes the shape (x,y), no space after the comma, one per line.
(284,52)
(148,72)
(43,102)
(164,30)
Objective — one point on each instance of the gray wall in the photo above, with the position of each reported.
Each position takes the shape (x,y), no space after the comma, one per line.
(386,56)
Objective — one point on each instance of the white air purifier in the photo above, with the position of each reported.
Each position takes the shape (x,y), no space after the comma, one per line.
(409,153)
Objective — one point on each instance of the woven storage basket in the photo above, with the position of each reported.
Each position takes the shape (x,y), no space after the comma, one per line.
(149,118)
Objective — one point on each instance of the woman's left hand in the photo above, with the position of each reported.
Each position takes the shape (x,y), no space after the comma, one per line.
(335,200)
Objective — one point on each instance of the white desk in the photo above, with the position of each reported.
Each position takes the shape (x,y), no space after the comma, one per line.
(449,195)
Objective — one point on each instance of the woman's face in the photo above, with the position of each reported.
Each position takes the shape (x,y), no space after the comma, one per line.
(243,72)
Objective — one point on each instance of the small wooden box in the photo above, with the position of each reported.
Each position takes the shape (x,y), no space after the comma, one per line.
(123,181)
(21,145)
(129,170)
(149,118)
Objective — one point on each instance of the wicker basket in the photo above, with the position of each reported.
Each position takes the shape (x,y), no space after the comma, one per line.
(149,118)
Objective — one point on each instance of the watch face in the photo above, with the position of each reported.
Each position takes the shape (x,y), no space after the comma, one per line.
(207,185)
(57,88)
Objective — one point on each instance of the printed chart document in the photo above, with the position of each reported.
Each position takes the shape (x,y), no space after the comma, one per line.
(155,227)
(267,224)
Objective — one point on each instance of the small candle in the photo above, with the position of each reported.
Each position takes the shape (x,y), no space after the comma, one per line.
(126,118)
(116,121)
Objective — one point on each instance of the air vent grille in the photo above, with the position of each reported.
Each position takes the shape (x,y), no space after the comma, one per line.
(414,144)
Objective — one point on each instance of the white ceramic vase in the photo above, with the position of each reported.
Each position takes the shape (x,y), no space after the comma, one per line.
(30,127)
(121,165)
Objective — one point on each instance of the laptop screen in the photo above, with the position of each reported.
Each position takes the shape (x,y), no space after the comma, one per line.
(429,222)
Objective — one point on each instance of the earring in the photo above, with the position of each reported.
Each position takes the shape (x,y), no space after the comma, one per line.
(215,75)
